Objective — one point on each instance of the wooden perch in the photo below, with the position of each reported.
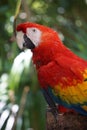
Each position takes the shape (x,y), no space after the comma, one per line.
(67,121)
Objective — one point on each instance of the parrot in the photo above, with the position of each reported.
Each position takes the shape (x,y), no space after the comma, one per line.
(61,73)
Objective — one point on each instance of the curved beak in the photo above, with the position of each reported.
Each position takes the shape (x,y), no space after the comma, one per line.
(28,43)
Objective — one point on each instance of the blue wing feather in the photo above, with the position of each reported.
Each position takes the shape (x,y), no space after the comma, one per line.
(76,107)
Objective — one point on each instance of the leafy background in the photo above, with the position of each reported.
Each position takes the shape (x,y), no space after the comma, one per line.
(21,101)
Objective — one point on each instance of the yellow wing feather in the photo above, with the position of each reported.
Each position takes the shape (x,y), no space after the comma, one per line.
(74,94)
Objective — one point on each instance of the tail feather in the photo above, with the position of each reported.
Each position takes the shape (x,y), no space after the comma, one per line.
(51,103)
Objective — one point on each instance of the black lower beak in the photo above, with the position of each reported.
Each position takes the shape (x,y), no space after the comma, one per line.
(28,43)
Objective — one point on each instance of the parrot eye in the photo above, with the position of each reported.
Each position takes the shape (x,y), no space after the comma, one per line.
(34,30)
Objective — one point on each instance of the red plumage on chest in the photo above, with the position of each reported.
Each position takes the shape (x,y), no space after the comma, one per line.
(44,54)
(58,65)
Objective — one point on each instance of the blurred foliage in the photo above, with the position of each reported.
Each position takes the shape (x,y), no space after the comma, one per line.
(18,83)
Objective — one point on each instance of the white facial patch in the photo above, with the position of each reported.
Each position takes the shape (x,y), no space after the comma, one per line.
(34,34)
(20,39)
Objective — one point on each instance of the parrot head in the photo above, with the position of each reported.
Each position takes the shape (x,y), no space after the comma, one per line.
(32,35)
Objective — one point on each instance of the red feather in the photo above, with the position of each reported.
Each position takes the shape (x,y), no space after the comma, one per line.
(57,63)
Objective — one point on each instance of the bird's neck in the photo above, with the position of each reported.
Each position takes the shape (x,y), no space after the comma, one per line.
(46,53)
